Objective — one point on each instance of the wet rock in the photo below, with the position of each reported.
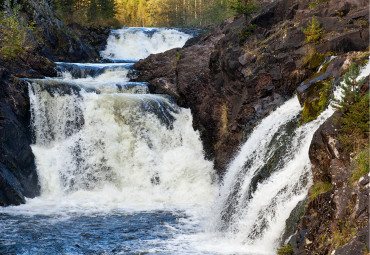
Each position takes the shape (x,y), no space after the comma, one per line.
(18,176)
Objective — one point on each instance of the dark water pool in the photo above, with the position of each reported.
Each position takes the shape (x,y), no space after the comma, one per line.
(114,233)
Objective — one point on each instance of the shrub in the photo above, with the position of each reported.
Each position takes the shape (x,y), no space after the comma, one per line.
(313,31)
(246,7)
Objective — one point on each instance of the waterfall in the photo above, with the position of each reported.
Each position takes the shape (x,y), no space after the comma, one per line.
(117,147)
(266,180)
(137,43)
(123,171)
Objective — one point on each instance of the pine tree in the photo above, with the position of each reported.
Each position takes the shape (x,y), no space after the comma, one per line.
(354,111)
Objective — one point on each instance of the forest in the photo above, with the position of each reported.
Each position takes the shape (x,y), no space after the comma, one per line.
(143,13)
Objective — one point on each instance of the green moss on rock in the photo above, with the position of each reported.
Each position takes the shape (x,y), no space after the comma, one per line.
(286,250)
(314,60)
(317,101)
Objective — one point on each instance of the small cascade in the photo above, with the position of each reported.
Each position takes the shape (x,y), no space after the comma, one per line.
(137,43)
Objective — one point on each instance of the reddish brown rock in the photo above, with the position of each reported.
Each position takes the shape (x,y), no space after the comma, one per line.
(230,79)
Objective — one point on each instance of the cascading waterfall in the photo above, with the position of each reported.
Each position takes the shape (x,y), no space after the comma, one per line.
(105,146)
(137,43)
(269,176)
(99,136)
(125,147)
(123,172)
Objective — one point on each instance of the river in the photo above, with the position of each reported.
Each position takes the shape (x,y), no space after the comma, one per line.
(122,171)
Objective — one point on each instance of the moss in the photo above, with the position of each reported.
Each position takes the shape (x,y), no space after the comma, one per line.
(320,188)
(314,60)
(285,250)
(313,4)
(316,101)
(178,55)
(362,59)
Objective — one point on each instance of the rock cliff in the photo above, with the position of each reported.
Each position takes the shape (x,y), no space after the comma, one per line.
(336,221)
(245,67)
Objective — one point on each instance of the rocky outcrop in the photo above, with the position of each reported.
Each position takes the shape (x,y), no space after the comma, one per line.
(52,39)
(18,176)
(242,70)
(336,221)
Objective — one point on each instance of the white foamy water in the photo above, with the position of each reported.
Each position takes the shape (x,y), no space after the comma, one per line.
(118,150)
(138,43)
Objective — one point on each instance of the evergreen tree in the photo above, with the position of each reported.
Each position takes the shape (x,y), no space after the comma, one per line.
(354,111)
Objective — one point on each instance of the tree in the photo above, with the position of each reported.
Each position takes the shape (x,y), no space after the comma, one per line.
(354,111)
(246,7)
(313,31)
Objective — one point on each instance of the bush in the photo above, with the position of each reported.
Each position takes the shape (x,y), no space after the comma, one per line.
(354,112)
(246,7)
(313,31)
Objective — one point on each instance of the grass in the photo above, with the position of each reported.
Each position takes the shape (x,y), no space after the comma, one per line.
(320,188)
(361,166)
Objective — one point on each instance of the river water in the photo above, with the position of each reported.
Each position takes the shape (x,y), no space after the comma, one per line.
(122,171)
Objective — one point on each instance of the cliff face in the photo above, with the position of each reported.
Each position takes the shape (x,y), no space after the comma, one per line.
(242,70)
(18,177)
(336,221)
